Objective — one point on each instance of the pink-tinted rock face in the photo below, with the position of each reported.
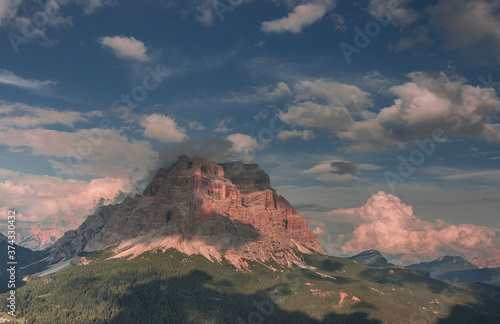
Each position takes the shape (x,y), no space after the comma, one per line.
(229,206)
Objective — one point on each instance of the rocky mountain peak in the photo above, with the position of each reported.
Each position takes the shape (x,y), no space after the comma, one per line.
(200,207)
(372,258)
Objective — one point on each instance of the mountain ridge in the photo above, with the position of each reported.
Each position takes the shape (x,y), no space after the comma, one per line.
(456,268)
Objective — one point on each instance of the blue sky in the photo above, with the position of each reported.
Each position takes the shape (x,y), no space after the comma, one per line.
(338,101)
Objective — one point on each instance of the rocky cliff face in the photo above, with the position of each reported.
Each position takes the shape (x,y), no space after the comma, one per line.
(73,242)
(199,207)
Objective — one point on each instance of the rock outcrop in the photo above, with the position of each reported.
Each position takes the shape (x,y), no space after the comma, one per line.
(372,258)
(218,210)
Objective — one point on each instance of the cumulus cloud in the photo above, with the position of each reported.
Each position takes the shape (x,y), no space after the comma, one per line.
(302,16)
(306,135)
(390,226)
(430,101)
(9,78)
(312,114)
(126,47)
(162,128)
(325,104)
(466,22)
(243,143)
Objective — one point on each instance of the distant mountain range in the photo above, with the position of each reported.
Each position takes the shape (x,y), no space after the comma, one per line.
(42,235)
(214,243)
(450,268)
(455,268)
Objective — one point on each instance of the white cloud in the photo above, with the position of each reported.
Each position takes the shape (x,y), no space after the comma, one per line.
(326,104)
(306,135)
(126,47)
(9,78)
(8,9)
(163,128)
(334,93)
(301,17)
(243,143)
(311,114)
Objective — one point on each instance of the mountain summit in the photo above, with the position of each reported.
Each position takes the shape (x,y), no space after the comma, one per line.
(217,210)
(372,258)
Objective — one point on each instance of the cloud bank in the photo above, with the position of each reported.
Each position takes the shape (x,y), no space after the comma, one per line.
(387,224)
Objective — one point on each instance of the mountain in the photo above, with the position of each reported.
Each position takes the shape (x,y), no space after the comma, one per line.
(23,257)
(214,243)
(172,287)
(42,235)
(372,258)
(443,265)
(219,211)
(74,241)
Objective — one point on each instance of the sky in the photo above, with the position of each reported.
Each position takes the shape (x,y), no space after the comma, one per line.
(378,120)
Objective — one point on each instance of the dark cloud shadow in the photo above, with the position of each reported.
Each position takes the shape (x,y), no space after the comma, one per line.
(188,299)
